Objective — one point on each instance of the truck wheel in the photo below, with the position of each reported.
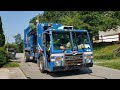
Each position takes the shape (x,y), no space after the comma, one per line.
(27,56)
(41,64)
(34,60)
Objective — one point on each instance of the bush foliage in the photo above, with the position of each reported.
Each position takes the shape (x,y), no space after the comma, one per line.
(3,57)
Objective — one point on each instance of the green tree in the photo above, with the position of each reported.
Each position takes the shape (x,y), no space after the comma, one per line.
(2,36)
(93,21)
(19,42)
(99,21)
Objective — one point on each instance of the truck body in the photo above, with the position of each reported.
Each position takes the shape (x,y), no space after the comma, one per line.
(57,48)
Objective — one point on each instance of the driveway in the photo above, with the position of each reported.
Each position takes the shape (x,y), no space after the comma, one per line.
(31,71)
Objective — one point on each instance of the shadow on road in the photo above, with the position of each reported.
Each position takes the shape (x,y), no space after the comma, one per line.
(70,73)
(17,59)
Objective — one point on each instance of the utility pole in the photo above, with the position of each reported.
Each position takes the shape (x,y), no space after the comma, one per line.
(7,38)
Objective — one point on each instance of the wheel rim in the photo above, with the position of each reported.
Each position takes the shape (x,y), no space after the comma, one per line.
(41,65)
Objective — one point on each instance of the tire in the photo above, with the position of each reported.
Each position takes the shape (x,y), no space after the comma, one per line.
(40,63)
(27,56)
(34,61)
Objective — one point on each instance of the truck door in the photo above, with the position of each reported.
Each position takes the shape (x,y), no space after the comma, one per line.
(46,44)
(44,50)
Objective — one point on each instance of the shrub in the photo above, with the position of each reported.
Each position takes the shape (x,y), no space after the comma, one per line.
(3,57)
(8,45)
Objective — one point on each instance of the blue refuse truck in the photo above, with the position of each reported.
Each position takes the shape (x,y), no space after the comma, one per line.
(57,48)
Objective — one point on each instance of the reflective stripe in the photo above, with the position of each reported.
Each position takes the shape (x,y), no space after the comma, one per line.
(52,59)
(58,54)
(87,52)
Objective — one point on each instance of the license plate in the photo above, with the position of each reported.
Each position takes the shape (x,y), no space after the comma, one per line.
(12,52)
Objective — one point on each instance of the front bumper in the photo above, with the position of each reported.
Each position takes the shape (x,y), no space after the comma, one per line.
(63,68)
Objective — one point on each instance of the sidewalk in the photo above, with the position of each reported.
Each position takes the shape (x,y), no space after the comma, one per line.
(11,73)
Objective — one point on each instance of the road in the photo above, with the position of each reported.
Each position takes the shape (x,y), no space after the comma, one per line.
(31,71)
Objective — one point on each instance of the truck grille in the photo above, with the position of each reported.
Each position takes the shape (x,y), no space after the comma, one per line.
(71,60)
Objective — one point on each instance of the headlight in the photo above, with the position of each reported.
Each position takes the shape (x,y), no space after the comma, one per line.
(88,58)
(57,63)
(58,60)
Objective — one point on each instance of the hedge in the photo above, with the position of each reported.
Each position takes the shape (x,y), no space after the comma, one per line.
(3,57)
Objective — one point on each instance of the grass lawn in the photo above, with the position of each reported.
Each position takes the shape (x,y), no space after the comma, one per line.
(114,63)
(103,56)
(104,52)
(11,64)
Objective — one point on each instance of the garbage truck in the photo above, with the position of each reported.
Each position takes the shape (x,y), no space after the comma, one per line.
(56,47)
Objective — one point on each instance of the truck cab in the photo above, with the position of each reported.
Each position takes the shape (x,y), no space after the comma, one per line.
(59,48)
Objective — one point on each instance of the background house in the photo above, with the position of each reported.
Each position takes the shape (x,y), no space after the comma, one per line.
(108,36)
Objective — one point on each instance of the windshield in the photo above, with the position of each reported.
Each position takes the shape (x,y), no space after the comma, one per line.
(61,39)
(79,39)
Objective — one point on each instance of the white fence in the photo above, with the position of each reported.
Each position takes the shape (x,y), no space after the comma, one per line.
(108,38)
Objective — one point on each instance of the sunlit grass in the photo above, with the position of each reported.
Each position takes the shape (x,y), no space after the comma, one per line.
(11,64)
(114,63)
(104,52)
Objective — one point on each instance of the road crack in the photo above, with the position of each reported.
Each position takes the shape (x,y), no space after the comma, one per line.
(23,72)
(98,76)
